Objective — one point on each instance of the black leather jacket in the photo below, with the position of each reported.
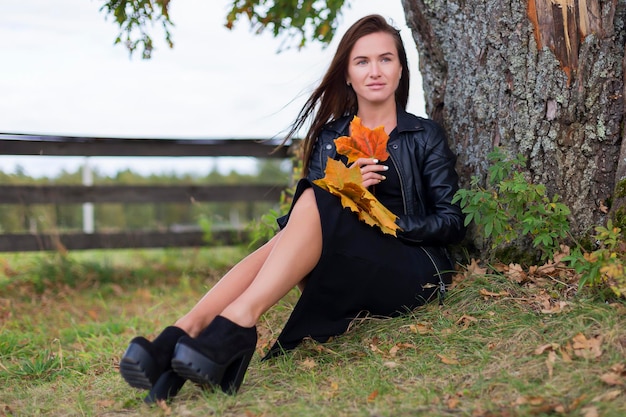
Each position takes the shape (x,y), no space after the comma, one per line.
(426,167)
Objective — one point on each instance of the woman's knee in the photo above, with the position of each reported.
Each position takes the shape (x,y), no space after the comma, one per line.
(307,199)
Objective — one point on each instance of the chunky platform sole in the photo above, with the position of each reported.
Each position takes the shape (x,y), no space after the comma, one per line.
(193,365)
(137,367)
(166,387)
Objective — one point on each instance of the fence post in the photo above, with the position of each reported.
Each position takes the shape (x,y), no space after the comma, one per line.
(88,222)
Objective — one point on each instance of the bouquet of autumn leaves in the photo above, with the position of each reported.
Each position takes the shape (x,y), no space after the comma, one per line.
(346,182)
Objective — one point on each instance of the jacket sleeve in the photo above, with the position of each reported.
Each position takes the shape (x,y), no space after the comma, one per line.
(441,222)
(316,168)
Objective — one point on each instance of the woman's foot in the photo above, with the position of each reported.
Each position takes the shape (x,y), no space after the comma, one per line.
(220,355)
(146,364)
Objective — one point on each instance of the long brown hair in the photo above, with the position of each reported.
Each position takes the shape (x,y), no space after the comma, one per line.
(333,98)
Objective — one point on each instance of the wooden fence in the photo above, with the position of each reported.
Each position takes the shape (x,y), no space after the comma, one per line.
(21,144)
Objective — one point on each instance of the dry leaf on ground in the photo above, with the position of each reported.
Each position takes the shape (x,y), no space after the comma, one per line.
(466,320)
(448,360)
(587,348)
(474,268)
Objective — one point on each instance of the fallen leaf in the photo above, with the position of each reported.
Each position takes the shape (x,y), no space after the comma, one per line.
(612,378)
(393,351)
(420,328)
(333,390)
(485,293)
(466,320)
(400,346)
(619,368)
(565,354)
(587,348)
(529,401)
(375,348)
(543,348)
(546,269)
(577,401)
(474,269)
(363,142)
(447,360)
(558,257)
(453,403)
(590,411)
(607,396)
(557,307)
(516,273)
(372,396)
(308,363)
(550,361)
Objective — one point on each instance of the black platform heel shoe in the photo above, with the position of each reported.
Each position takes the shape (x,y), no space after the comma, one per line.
(147,365)
(219,356)
(166,387)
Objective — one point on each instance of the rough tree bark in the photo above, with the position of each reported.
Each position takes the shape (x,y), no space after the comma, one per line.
(545,78)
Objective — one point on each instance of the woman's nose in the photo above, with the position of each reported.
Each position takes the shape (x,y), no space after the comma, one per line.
(374,70)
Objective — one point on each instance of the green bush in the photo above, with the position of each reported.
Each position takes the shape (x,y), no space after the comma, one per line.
(604,266)
(511,208)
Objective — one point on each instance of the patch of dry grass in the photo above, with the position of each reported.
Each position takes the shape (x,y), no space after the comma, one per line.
(497,347)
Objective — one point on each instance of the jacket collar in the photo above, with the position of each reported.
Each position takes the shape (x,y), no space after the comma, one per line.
(407,122)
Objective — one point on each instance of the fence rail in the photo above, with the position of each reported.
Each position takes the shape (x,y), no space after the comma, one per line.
(71,194)
(49,145)
(23,144)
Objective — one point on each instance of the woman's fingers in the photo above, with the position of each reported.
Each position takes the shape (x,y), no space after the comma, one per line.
(371,171)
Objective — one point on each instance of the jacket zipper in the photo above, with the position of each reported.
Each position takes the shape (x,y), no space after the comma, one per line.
(404,203)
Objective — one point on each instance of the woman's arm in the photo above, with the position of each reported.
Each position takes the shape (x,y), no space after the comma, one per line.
(443,222)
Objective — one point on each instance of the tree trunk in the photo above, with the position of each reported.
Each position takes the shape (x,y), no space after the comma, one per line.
(544,78)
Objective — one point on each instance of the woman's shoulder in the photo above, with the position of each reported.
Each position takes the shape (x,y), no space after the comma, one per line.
(408,122)
(337,127)
(425,133)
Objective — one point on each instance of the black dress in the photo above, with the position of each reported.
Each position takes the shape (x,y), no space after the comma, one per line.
(361,270)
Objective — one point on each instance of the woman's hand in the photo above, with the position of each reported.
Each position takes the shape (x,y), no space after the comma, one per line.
(371,171)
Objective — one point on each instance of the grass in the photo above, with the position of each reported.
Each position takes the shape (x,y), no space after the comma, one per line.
(495,348)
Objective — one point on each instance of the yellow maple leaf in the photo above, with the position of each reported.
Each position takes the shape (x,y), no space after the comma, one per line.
(346,183)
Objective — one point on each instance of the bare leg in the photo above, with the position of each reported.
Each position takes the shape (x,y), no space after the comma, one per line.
(294,254)
(289,261)
(228,288)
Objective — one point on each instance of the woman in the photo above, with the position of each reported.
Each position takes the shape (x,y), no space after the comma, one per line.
(344,267)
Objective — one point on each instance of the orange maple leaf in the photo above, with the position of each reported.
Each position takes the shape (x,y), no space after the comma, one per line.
(363,142)
(346,183)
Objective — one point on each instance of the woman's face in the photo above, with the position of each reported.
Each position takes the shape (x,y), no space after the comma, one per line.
(374,69)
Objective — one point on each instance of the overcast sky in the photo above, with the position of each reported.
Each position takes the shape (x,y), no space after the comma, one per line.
(61,74)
